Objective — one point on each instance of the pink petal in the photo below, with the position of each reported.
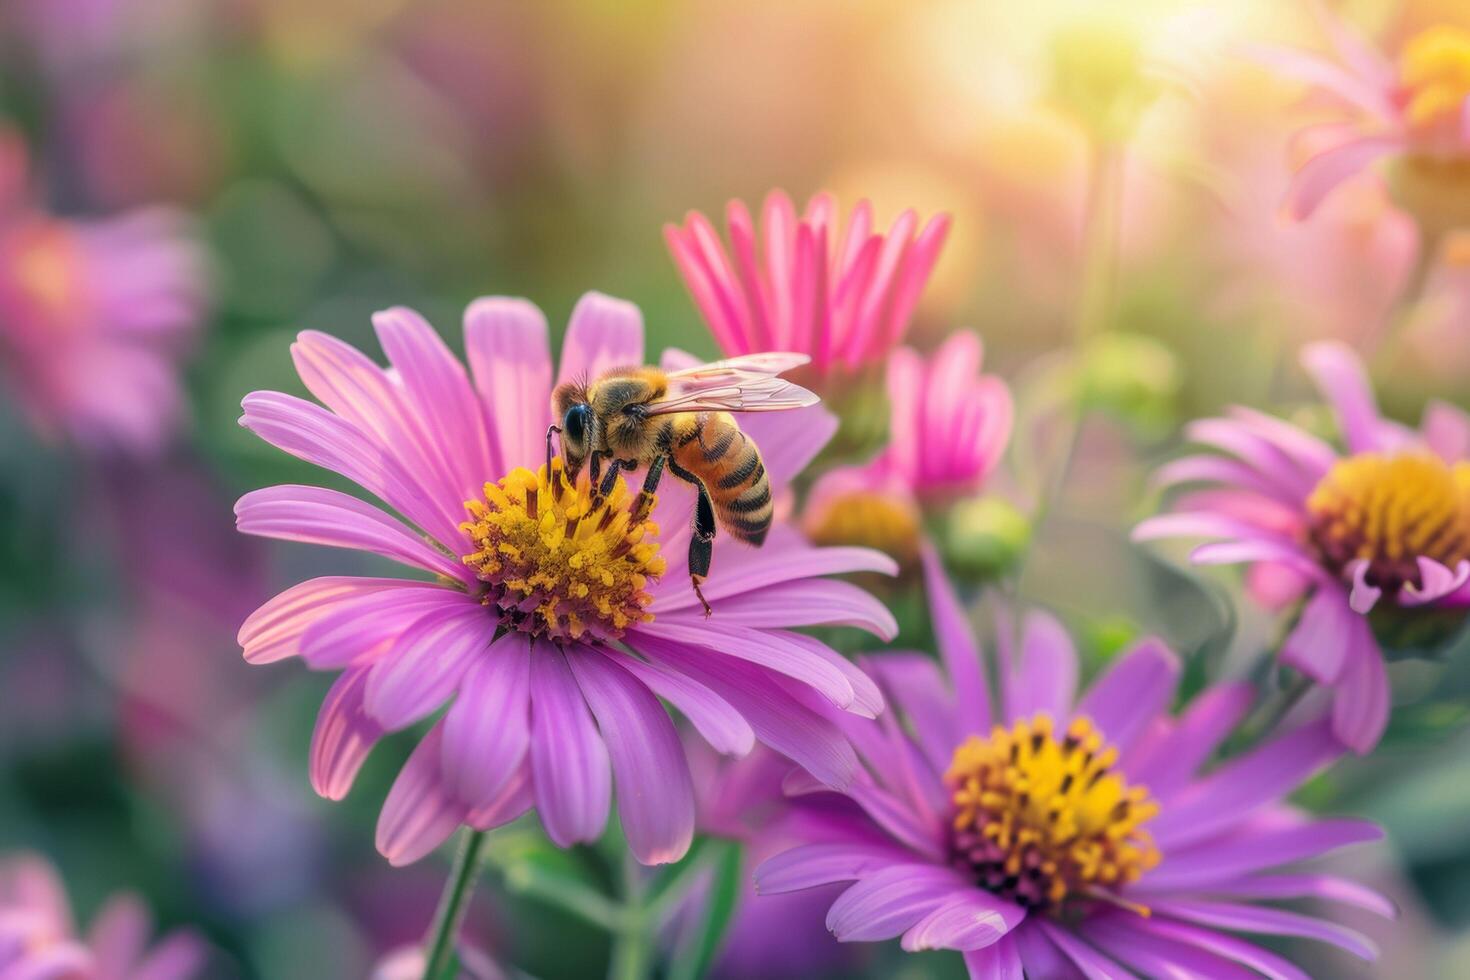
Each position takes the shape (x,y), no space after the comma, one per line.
(1093,964)
(655,793)
(1364,596)
(506,344)
(424,665)
(1361,702)
(958,647)
(179,956)
(1269,965)
(569,763)
(603,333)
(1324,887)
(119,933)
(1134,689)
(1170,761)
(811,865)
(355,631)
(1326,171)
(998,961)
(971,920)
(1318,646)
(1267,921)
(273,632)
(1343,381)
(419,813)
(343,737)
(1197,867)
(1437,582)
(1045,678)
(1446,431)
(487,729)
(716,720)
(888,903)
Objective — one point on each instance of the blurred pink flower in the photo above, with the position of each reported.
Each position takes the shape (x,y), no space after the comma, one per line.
(94,317)
(948,428)
(1417,109)
(845,297)
(410,962)
(1055,832)
(38,938)
(555,688)
(1384,526)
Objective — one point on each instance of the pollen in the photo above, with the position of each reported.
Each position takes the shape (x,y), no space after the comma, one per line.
(561,561)
(1434,70)
(1390,510)
(1042,820)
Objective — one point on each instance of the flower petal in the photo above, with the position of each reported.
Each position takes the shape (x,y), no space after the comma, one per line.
(603,333)
(419,814)
(424,666)
(1319,643)
(889,902)
(343,737)
(1361,702)
(487,730)
(716,720)
(274,631)
(1045,678)
(958,647)
(812,865)
(569,764)
(1138,686)
(1267,921)
(359,630)
(1268,964)
(505,342)
(971,920)
(999,961)
(655,793)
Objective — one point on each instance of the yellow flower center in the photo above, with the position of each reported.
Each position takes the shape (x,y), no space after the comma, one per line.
(869,520)
(561,562)
(1434,69)
(1038,820)
(1389,510)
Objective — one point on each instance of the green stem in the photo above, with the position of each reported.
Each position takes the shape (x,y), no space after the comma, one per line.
(632,955)
(453,903)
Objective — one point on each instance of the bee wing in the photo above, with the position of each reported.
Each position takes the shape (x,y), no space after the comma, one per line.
(739,384)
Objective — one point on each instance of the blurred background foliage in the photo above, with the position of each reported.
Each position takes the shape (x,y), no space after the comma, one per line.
(341,156)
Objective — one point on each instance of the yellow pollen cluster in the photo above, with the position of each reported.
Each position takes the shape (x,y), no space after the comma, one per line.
(1434,70)
(1389,510)
(1038,819)
(870,520)
(559,561)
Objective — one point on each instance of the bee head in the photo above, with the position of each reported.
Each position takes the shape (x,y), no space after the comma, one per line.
(576,435)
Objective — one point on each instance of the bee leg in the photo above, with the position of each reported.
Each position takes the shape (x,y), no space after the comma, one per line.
(549,430)
(702,544)
(646,500)
(610,478)
(594,469)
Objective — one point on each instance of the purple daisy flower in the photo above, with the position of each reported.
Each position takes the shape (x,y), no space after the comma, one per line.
(1059,835)
(548,626)
(1383,528)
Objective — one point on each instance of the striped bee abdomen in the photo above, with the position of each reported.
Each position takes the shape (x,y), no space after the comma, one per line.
(728,463)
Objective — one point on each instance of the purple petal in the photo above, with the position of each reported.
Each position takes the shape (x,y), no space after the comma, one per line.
(897,818)
(655,793)
(603,333)
(1268,921)
(319,516)
(1170,761)
(343,737)
(178,956)
(487,729)
(867,699)
(999,961)
(436,384)
(958,647)
(1319,643)
(423,667)
(515,798)
(778,719)
(355,631)
(760,647)
(889,902)
(1190,524)
(308,431)
(1267,964)
(809,602)
(119,932)
(716,720)
(915,685)
(812,865)
(1343,381)
(1361,702)
(1364,596)
(971,920)
(1319,886)
(1266,775)
(273,632)
(1045,679)
(569,764)
(1092,964)
(1138,686)
(1437,582)
(1242,853)
(1154,955)
(1218,469)
(505,342)
(419,814)
(1446,430)
(1262,548)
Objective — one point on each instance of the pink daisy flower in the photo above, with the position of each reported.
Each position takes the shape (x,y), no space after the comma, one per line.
(842,296)
(94,317)
(38,938)
(1058,835)
(948,429)
(1416,110)
(548,625)
(1382,528)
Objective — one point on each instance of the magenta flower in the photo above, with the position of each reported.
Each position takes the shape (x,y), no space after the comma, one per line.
(843,296)
(1385,526)
(94,317)
(1058,835)
(1416,110)
(548,625)
(39,940)
(948,428)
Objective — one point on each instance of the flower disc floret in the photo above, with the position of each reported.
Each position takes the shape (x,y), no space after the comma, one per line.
(1038,819)
(561,561)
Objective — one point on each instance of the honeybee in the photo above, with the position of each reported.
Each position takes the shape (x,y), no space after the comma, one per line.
(643,416)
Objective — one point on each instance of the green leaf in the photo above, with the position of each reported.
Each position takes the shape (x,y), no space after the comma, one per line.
(698,951)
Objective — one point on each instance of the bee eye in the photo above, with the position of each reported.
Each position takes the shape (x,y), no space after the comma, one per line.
(575,424)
